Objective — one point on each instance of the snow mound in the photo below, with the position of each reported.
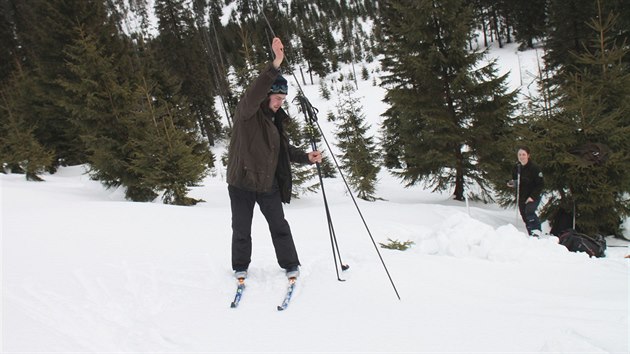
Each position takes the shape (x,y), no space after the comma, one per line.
(461,236)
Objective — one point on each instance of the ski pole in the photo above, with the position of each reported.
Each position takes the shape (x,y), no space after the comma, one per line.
(356,205)
(518,188)
(310,116)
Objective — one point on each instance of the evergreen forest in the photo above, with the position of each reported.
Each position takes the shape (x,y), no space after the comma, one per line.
(141,90)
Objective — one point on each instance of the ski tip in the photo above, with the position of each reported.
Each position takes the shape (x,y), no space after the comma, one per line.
(280,308)
(233,305)
(344,267)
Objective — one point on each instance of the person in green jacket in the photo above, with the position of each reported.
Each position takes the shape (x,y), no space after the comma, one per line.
(259,171)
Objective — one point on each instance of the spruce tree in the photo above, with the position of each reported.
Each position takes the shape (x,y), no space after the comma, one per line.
(139,133)
(447,109)
(8,42)
(327,166)
(324,91)
(529,20)
(182,49)
(166,158)
(44,30)
(359,156)
(19,149)
(313,55)
(391,139)
(99,103)
(568,31)
(584,143)
(365,74)
(169,153)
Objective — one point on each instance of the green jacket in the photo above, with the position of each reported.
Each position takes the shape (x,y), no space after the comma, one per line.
(259,148)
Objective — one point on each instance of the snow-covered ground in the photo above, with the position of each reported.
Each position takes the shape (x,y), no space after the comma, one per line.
(83,270)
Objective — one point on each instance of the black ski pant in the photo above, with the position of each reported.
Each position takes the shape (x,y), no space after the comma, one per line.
(528,213)
(242,203)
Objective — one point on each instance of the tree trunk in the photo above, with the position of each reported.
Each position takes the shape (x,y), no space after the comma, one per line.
(459,175)
(302,74)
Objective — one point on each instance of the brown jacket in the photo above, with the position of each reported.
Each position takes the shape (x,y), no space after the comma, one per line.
(259,140)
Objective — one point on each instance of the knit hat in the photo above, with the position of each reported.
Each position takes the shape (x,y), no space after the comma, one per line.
(279,86)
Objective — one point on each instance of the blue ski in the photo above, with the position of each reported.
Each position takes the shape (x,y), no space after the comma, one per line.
(239,293)
(288,295)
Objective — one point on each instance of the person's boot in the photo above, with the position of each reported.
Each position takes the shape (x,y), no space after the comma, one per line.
(240,274)
(293,272)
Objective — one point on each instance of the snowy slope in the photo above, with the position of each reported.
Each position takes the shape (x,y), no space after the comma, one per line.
(83,270)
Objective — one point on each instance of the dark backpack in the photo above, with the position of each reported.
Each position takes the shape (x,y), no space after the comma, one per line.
(592,154)
(594,246)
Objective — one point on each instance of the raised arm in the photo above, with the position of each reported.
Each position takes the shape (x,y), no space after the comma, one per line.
(257,91)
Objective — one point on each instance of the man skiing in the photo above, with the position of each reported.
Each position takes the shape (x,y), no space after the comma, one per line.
(259,168)
(528,179)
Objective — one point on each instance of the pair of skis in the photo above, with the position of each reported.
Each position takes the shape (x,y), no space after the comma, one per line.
(240,288)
